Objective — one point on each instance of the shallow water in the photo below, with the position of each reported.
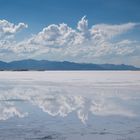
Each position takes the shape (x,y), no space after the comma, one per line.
(81,105)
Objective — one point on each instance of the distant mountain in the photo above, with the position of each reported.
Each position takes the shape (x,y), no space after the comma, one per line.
(40,65)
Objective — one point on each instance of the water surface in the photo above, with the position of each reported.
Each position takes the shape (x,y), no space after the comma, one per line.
(81,105)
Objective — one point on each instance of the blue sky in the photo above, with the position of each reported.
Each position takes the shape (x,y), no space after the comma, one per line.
(39,17)
(38,13)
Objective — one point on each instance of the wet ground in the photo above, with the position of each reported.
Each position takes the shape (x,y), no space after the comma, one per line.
(86,105)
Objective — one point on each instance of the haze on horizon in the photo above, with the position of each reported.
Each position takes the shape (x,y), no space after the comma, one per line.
(92,31)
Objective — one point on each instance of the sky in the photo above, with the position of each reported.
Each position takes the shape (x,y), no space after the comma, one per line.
(89,31)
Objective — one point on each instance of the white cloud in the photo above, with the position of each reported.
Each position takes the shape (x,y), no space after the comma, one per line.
(83,24)
(108,31)
(56,36)
(7,32)
(7,29)
(61,42)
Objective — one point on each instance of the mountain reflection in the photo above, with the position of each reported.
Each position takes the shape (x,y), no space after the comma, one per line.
(62,100)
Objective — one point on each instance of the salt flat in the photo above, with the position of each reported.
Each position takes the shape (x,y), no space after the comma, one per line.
(71,105)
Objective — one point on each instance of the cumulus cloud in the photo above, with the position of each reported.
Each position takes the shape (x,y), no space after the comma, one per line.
(8,31)
(7,28)
(108,31)
(61,42)
(55,36)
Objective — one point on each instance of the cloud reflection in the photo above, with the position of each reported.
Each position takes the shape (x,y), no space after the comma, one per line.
(58,101)
(8,110)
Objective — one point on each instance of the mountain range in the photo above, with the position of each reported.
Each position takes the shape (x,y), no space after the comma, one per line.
(41,65)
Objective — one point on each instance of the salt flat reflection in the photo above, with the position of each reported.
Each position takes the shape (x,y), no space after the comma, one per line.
(63,99)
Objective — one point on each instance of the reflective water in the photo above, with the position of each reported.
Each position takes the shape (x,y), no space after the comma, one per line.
(70,105)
